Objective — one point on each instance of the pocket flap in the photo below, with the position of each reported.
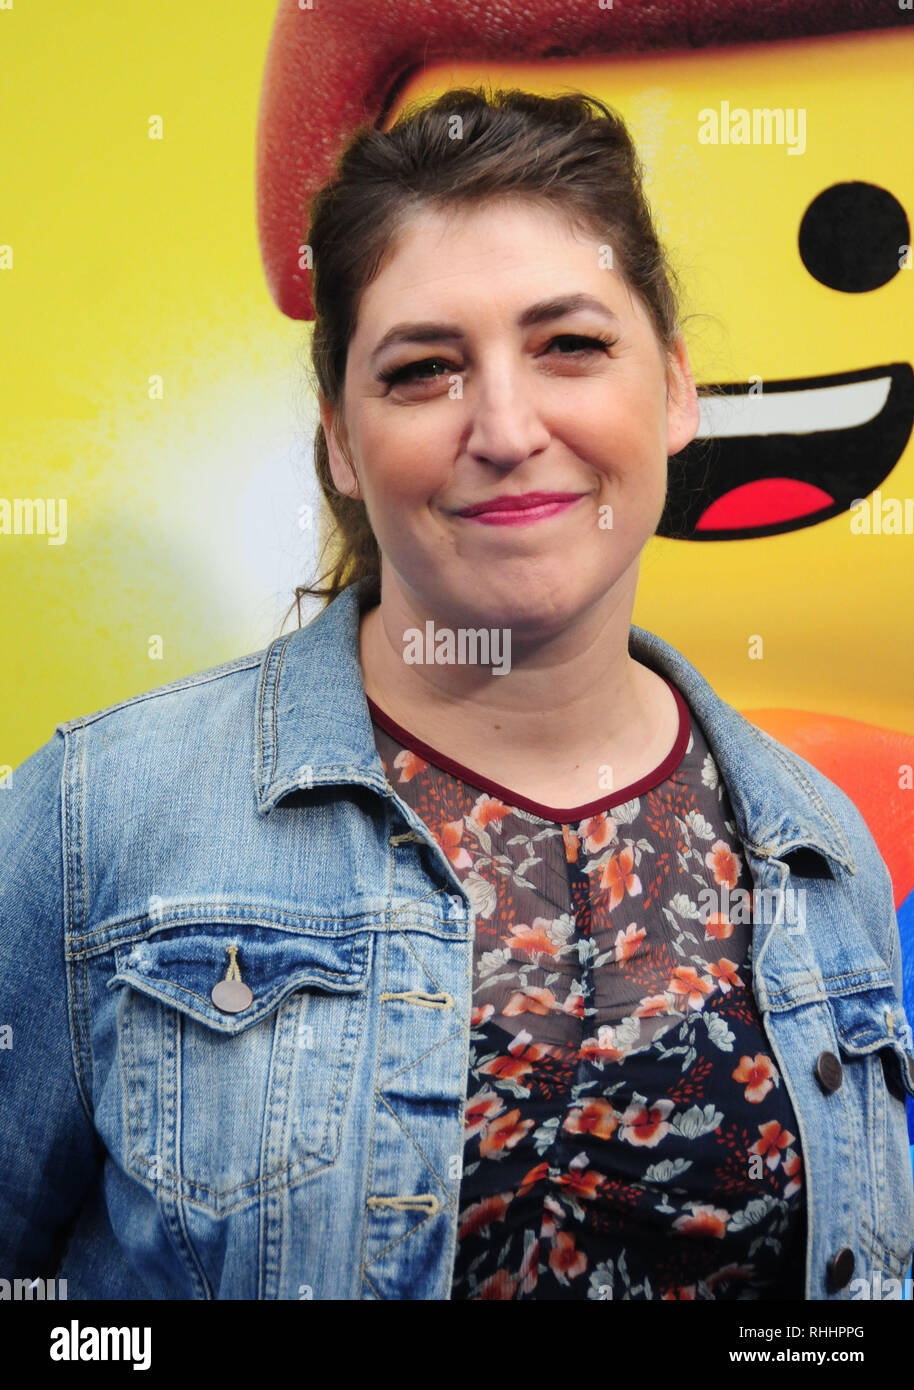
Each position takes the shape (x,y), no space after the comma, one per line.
(873,1019)
(180,965)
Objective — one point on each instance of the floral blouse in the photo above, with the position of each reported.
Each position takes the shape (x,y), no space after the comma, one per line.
(628,1134)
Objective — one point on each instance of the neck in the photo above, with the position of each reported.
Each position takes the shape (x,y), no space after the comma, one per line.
(570,693)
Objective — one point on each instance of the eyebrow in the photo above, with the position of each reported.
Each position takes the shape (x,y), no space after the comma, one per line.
(544,311)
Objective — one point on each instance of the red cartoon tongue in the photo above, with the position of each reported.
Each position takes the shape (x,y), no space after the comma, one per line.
(765,503)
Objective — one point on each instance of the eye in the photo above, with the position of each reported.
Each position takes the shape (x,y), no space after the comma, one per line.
(852,237)
(584,344)
(413,371)
(580,344)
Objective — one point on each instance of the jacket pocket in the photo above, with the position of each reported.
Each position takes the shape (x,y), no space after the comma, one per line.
(877,1058)
(873,1021)
(221,1107)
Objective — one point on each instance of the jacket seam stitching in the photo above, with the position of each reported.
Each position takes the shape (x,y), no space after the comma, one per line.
(261,777)
(799,776)
(185,683)
(367,1214)
(203,921)
(826,979)
(72,765)
(873,1238)
(274,733)
(172,1188)
(431,1215)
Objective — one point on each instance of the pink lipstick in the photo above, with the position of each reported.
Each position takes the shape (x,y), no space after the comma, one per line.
(520,509)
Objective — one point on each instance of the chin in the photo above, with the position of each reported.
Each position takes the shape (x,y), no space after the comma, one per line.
(529,597)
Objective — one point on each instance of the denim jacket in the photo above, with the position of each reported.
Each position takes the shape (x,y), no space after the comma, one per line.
(309,1144)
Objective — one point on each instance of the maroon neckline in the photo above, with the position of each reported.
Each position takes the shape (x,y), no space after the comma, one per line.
(562,814)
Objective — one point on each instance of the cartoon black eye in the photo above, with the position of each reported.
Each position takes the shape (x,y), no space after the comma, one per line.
(852,237)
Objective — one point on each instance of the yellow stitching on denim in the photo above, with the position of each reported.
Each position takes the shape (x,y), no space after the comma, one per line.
(407,838)
(425,1201)
(233,972)
(421,996)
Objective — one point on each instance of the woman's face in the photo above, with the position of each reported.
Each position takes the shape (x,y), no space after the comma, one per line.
(477,374)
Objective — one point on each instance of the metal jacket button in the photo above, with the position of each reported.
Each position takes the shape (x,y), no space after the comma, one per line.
(232,995)
(829,1072)
(841,1267)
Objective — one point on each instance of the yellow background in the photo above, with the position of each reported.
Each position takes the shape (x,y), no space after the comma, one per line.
(136,257)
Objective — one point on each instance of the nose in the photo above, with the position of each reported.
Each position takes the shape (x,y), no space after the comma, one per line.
(505,423)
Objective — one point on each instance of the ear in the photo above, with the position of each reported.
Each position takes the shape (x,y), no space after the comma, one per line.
(342,470)
(682,413)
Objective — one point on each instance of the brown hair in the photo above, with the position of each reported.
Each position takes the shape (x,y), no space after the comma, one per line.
(570,151)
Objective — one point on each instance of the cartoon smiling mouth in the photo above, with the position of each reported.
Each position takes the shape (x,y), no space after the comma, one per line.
(793,454)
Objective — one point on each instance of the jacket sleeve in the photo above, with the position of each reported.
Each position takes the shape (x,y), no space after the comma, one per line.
(49,1151)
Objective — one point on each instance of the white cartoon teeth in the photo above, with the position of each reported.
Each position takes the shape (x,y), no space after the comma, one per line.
(803,411)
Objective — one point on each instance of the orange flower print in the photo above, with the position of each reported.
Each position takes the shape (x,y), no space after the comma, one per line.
(574,1004)
(533,940)
(597,832)
(617,875)
(487,809)
(530,1001)
(582,1182)
(504,1133)
(758,1074)
(603,1047)
(685,980)
(723,863)
(449,840)
(481,1013)
(595,1116)
(654,1004)
(510,1068)
(522,1053)
(703,1221)
(572,844)
(726,975)
(524,1046)
(646,1125)
(482,1108)
(565,1261)
(718,926)
(628,941)
(773,1140)
(482,1214)
(684,1293)
(500,1285)
(410,764)
(792,1167)
(535,1175)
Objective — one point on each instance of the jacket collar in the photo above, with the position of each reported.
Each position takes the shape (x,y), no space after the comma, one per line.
(313,728)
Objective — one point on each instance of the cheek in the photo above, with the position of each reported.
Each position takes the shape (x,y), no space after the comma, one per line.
(625,421)
(397,488)
(411,456)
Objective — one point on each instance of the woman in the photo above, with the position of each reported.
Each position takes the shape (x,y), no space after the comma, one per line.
(418,956)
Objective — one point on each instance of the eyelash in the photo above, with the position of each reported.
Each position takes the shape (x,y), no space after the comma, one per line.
(394,375)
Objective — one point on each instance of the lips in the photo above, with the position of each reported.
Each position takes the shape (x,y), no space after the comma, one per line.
(796,454)
(520,502)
